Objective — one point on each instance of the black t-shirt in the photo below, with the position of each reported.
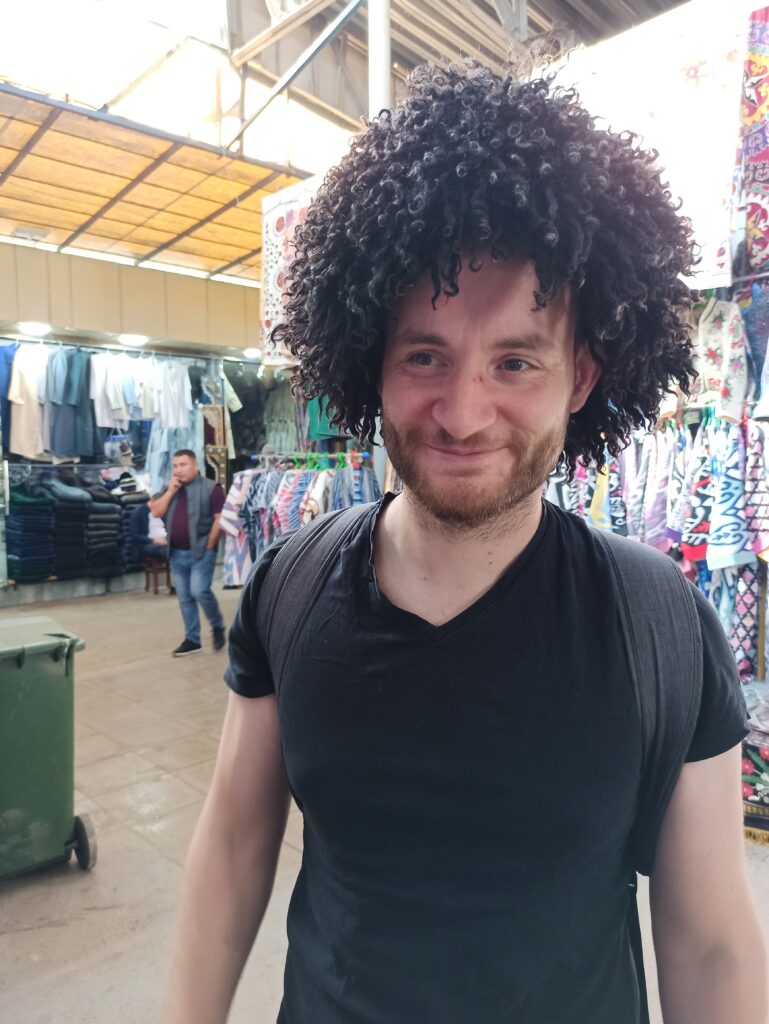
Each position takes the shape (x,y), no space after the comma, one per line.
(468,791)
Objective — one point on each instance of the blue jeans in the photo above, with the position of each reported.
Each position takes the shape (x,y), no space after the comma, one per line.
(192,579)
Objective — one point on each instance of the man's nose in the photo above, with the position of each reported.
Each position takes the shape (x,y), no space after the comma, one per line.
(465,406)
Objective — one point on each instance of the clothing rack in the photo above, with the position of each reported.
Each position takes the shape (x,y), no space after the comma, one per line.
(750,278)
(94,348)
(311,460)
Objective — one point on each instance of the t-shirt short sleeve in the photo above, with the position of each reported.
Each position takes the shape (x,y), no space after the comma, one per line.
(248,673)
(723,717)
(216,501)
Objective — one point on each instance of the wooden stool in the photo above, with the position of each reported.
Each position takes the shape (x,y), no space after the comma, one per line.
(154,567)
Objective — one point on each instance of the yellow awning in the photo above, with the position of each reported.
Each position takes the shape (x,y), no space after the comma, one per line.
(77,178)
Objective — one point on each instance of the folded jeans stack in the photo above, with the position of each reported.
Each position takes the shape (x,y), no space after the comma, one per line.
(29,537)
(132,561)
(103,540)
(70,522)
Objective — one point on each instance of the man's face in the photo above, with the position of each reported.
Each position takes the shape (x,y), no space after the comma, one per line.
(477,393)
(185,468)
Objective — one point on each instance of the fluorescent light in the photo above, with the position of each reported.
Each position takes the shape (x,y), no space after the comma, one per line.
(133,339)
(229,279)
(171,268)
(252,353)
(94,254)
(34,329)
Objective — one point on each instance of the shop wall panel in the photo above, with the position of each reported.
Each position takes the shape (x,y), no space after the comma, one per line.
(9,300)
(32,284)
(253,317)
(187,308)
(226,314)
(60,284)
(143,302)
(95,295)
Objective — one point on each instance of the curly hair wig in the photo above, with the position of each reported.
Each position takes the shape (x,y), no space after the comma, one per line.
(473,162)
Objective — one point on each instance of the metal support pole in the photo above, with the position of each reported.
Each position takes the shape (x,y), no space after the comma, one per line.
(379,98)
(379,59)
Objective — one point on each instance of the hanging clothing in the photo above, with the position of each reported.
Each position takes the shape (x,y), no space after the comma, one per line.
(175,395)
(757,488)
(77,395)
(24,394)
(231,404)
(7,353)
(63,414)
(722,360)
(107,391)
(729,542)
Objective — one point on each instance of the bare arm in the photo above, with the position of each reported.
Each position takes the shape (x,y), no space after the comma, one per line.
(159,506)
(711,957)
(230,865)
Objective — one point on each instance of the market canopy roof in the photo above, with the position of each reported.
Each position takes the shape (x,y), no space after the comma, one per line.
(77,178)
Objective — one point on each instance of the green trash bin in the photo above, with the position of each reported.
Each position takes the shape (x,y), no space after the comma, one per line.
(37,742)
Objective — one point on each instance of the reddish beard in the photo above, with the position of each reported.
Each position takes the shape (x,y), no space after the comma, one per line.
(463,501)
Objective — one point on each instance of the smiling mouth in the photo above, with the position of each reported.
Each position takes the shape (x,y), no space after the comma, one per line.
(461,454)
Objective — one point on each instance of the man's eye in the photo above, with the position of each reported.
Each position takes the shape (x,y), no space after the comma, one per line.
(515,365)
(421,359)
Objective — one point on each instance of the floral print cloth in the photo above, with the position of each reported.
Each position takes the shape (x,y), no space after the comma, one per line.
(722,360)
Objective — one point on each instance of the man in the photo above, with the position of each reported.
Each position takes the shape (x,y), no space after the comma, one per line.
(457,717)
(191,507)
(148,534)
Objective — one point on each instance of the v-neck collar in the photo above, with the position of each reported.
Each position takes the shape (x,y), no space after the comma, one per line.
(492,595)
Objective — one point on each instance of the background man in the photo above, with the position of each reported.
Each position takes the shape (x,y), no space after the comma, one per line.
(148,534)
(190,508)
(458,717)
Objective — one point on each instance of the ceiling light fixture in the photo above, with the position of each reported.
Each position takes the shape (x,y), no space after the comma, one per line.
(133,339)
(34,328)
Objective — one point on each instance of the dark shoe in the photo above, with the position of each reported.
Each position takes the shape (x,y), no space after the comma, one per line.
(188,647)
(220,638)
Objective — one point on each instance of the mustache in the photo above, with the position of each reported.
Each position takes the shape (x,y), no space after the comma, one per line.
(442,439)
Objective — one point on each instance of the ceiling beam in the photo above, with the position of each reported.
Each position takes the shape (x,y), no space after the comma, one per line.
(30,144)
(279,31)
(234,263)
(329,32)
(142,176)
(252,190)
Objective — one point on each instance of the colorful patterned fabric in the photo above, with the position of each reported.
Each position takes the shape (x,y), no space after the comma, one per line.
(682,508)
(637,496)
(656,504)
(723,596)
(744,633)
(237,560)
(600,512)
(755,122)
(755,316)
(694,540)
(757,489)
(722,360)
(729,541)
(617,509)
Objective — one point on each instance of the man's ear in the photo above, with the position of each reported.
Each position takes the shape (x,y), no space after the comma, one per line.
(587,373)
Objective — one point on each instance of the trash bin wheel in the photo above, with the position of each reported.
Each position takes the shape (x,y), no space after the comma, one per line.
(85,842)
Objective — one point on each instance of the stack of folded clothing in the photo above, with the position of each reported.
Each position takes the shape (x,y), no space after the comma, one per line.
(103,539)
(132,559)
(755,763)
(70,522)
(29,540)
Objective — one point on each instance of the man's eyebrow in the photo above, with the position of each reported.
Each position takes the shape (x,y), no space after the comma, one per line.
(525,342)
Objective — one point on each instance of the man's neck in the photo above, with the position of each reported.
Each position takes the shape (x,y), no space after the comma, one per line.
(437,570)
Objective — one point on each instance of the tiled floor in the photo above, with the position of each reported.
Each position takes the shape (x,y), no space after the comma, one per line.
(93,948)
